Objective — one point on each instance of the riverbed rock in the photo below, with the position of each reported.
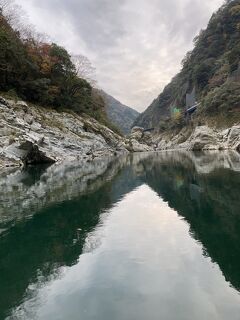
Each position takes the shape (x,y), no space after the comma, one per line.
(202,138)
(139,140)
(233,138)
(136,133)
(27,152)
(135,146)
(31,134)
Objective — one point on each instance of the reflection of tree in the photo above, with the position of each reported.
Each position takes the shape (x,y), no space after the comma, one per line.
(50,238)
(55,236)
(210,203)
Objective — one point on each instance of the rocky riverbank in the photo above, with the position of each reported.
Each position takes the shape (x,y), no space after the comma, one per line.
(31,134)
(201,138)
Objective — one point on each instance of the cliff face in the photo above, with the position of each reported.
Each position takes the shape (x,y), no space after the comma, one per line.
(120,115)
(210,76)
(31,134)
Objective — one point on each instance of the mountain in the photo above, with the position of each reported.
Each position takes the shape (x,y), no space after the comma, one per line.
(209,78)
(119,114)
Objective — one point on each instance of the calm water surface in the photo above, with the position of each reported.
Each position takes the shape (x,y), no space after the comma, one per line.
(142,237)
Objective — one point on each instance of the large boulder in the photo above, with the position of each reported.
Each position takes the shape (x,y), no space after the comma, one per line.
(140,141)
(204,138)
(26,152)
(23,105)
(233,139)
(136,133)
(133,145)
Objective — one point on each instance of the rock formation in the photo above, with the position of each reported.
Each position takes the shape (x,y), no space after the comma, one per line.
(139,141)
(30,135)
(202,138)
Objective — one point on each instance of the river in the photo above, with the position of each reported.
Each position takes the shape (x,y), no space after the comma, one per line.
(139,237)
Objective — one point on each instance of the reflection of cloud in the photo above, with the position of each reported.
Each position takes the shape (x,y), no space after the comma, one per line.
(136,45)
(146,266)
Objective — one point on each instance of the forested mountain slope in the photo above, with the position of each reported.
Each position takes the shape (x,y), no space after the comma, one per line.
(210,74)
(119,114)
(44,73)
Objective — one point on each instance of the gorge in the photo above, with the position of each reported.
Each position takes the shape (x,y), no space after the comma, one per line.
(107,213)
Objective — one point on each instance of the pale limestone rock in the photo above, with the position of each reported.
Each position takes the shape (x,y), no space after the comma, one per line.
(140,141)
(203,138)
(135,146)
(233,139)
(23,105)
(35,126)
(29,119)
(137,129)
(4,103)
(52,135)
(136,133)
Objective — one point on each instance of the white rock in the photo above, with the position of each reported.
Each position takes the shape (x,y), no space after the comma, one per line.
(22,104)
(53,135)
(203,138)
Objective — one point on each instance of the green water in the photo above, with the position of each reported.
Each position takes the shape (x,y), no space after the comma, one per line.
(150,236)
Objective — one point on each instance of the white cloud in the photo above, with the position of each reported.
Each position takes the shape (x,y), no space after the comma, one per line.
(136,45)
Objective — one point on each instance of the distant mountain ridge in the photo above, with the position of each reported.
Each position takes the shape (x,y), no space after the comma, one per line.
(211,71)
(119,114)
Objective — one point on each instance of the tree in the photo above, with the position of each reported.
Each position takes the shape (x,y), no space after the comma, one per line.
(84,68)
(13,13)
(40,71)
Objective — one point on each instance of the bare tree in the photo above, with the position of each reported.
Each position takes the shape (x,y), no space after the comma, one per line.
(17,18)
(84,68)
(13,13)
(28,32)
(4,4)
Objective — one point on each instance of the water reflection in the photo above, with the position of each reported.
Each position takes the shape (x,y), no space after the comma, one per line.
(208,201)
(119,211)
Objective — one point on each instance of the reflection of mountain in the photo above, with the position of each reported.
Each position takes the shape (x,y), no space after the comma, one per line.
(69,201)
(209,202)
(30,190)
(55,236)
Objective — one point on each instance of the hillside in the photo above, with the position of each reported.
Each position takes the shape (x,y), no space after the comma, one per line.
(210,76)
(119,114)
(44,73)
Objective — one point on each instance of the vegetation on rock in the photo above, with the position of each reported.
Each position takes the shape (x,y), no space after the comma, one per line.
(45,73)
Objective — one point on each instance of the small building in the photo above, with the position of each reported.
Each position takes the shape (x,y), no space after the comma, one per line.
(191,104)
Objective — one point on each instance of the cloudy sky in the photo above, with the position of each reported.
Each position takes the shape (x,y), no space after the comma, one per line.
(135,45)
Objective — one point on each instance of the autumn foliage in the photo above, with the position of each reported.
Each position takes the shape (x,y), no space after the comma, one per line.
(41,72)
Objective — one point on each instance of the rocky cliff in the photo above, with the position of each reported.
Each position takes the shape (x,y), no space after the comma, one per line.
(30,134)
(210,78)
(200,138)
